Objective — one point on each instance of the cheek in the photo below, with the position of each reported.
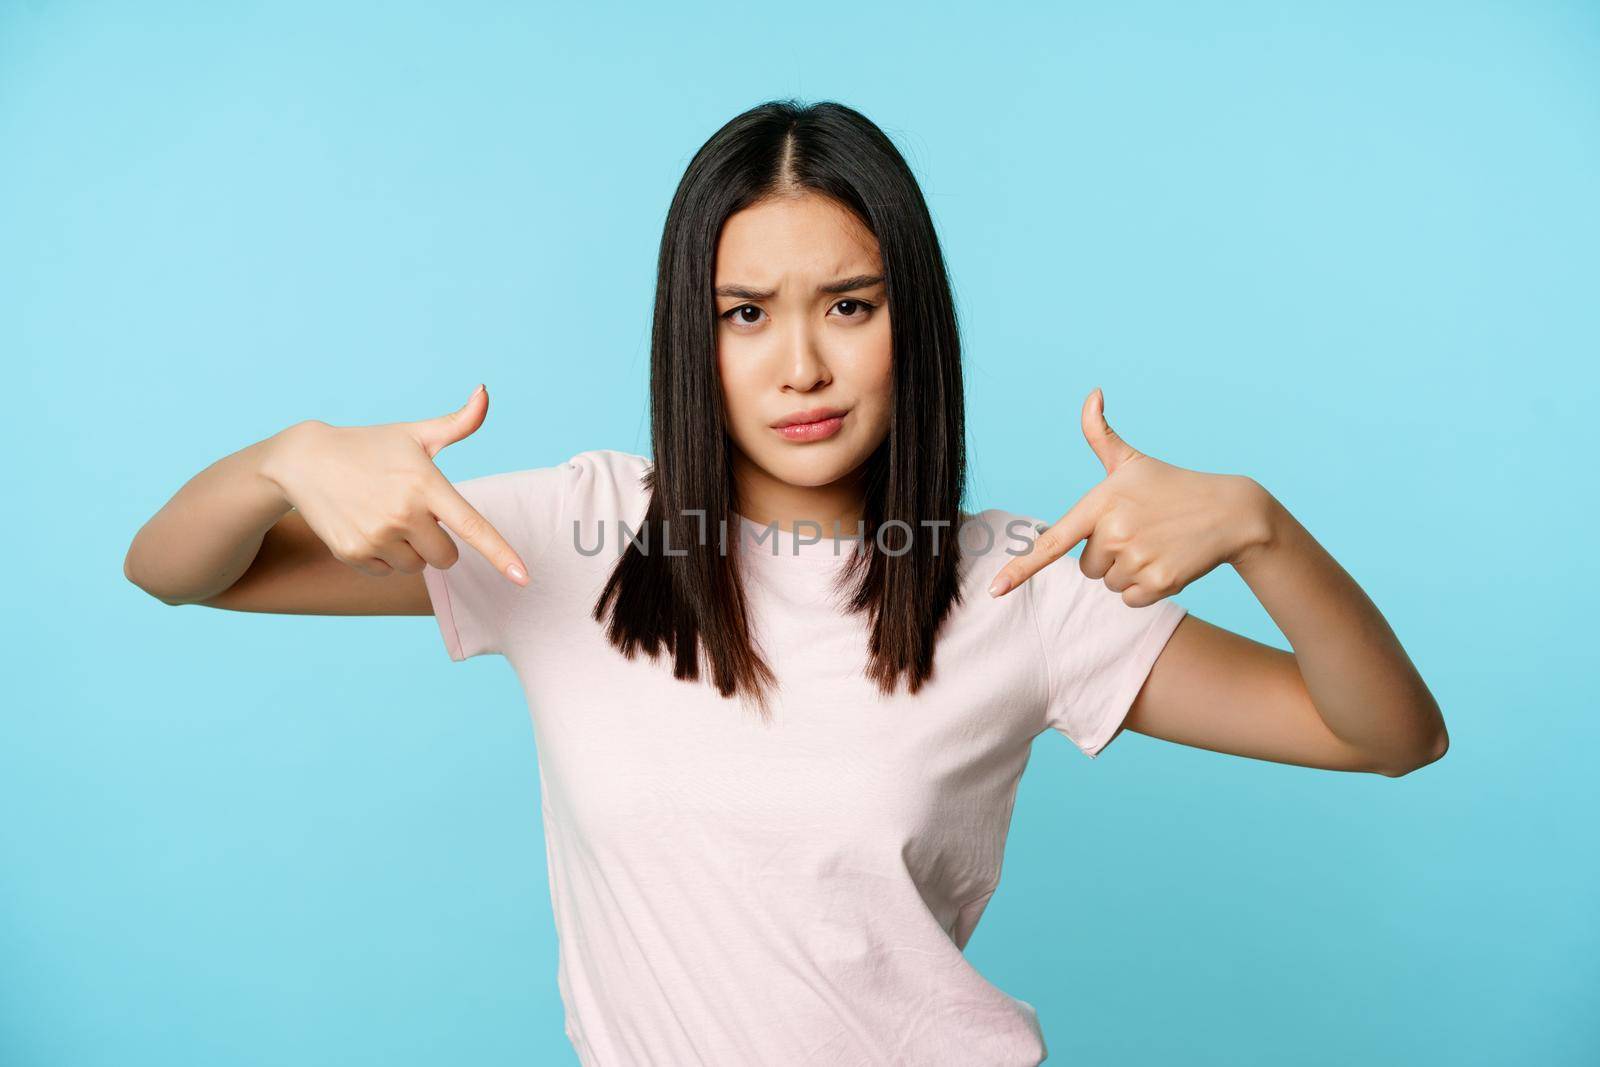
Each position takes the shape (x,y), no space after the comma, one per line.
(738,387)
(877,369)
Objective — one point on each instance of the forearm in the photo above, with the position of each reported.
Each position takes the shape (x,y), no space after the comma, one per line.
(1361,680)
(205,538)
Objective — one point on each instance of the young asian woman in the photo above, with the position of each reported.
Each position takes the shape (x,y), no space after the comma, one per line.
(783,685)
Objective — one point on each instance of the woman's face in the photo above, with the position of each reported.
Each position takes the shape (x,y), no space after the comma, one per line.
(802,338)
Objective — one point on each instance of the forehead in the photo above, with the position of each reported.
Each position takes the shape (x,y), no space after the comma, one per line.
(808,235)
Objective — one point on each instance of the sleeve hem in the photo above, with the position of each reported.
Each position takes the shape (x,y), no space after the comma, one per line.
(1139,664)
(444,615)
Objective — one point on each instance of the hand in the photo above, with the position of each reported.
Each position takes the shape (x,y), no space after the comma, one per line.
(375,498)
(1151,528)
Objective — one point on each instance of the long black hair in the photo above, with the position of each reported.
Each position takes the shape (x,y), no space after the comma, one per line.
(693,605)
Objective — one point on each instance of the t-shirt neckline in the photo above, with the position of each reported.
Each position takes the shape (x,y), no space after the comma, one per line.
(811,543)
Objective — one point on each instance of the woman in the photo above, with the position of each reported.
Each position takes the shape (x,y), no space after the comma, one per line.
(777,767)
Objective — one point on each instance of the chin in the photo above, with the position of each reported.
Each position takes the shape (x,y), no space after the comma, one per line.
(809,473)
(811,466)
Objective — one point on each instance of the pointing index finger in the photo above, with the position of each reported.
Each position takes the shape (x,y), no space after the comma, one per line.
(452,509)
(1076,525)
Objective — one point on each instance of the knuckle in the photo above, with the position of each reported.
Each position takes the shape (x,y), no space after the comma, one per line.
(393,523)
(345,549)
(369,538)
(419,485)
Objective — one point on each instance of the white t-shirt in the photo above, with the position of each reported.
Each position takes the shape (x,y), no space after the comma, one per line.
(728,891)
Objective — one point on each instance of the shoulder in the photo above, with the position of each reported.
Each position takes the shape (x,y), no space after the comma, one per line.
(599,483)
(995,533)
(611,463)
(607,483)
(994,537)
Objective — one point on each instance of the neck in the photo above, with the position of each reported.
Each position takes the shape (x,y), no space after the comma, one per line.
(769,501)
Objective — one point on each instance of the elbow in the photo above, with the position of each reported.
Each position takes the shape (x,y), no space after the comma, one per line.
(130,572)
(1432,753)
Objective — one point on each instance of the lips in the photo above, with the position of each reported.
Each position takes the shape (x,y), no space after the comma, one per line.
(818,424)
(800,418)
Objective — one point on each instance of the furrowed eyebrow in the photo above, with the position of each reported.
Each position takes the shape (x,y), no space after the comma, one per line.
(843,285)
(744,292)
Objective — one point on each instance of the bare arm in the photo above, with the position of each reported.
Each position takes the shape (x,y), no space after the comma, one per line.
(1347,698)
(230,539)
(205,537)
(318,519)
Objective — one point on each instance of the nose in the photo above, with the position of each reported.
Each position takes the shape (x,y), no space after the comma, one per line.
(804,368)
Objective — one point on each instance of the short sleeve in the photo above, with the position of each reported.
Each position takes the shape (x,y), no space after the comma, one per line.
(1098,651)
(477,607)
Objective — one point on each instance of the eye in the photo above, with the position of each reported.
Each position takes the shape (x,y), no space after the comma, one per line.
(742,315)
(854,309)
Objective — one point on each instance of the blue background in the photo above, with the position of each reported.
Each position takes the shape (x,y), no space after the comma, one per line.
(1350,250)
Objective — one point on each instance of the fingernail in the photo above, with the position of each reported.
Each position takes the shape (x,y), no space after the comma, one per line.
(476,391)
(517,574)
(1000,585)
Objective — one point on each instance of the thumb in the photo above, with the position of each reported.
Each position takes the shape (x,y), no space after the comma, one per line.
(1108,445)
(435,433)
